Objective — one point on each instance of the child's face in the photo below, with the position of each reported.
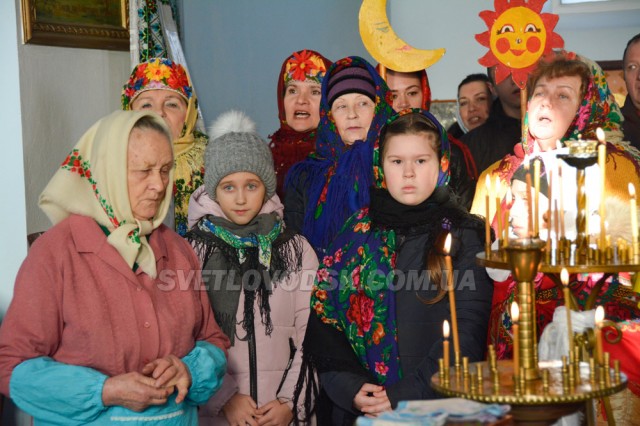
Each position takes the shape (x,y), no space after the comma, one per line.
(411,167)
(241,196)
(353,113)
(520,208)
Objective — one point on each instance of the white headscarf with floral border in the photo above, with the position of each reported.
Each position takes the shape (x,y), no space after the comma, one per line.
(92,181)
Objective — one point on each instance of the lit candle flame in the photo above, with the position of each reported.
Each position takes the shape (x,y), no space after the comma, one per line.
(497,187)
(487,183)
(632,190)
(600,134)
(515,312)
(445,329)
(564,276)
(599,316)
(447,244)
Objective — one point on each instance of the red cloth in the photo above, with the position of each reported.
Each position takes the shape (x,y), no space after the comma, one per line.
(77,301)
(627,351)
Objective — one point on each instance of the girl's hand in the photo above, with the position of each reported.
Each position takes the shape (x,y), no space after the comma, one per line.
(367,401)
(275,413)
(240,410)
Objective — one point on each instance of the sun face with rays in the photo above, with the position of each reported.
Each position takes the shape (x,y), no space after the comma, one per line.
(518,36)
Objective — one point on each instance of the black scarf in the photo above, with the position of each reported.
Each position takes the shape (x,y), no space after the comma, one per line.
(225,276)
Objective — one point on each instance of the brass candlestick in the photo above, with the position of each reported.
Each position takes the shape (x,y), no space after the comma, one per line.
(524,257)
(582,154)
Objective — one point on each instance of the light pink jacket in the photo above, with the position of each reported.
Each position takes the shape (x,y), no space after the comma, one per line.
(289,313)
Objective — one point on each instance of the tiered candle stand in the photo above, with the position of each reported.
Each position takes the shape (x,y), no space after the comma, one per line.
(539,394)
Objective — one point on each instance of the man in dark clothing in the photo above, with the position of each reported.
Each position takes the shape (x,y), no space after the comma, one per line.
(497,136)
(631,107)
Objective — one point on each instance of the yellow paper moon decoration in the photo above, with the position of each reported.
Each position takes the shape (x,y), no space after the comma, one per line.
(385,46)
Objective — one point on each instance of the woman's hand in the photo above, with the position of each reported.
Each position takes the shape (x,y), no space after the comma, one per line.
(134,391)
(170,371)
(274,413)
(371,400)
(240,410)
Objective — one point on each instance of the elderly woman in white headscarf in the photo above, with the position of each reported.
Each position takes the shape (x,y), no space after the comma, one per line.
(107,322)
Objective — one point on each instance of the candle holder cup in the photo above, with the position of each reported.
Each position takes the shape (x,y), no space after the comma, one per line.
(582,154)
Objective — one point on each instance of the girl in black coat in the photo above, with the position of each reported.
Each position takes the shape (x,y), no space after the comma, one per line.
(375,331)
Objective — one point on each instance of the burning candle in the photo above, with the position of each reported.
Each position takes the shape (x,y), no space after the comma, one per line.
(550,212)
(562,234)
(536,198)
(602,158)
(598,331)
(509,198)
(634,220)
(529,198)
(452,299)
(445,344)
(487,225)
(556,222)
(515,316)
(564,277)
(498,208)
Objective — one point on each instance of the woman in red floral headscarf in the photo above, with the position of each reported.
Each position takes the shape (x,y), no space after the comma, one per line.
(298,110)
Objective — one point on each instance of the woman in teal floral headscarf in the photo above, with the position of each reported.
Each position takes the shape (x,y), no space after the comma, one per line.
(376,333)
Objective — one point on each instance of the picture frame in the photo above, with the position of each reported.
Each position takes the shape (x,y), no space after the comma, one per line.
(444,111)
(89,24)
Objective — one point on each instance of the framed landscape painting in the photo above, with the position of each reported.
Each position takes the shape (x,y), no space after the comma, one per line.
(91,24)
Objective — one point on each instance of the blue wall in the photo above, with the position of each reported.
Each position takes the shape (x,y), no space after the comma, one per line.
(235,48)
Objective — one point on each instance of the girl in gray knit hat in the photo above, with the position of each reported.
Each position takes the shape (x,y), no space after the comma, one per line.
(251,263)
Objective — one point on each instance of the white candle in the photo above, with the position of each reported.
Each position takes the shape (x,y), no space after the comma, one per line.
(599,317)
(560,185)
(564,277)
(498,207)
(602,158)
(634,212)
(536,198)
(515,316)
(487,225)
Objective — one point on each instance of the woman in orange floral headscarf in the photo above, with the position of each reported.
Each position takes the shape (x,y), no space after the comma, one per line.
(163,86)
(298,110)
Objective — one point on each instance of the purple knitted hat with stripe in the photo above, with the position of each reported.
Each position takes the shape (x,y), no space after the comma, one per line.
(350,80)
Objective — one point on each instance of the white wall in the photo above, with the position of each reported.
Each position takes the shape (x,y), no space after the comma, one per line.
(64,91)
(13,229)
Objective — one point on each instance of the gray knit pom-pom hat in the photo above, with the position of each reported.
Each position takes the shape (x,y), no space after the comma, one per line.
(236,147)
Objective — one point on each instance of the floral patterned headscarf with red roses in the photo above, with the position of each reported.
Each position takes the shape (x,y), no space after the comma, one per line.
(353,286)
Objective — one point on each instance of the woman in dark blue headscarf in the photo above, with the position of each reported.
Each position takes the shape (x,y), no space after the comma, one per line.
(333,182)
